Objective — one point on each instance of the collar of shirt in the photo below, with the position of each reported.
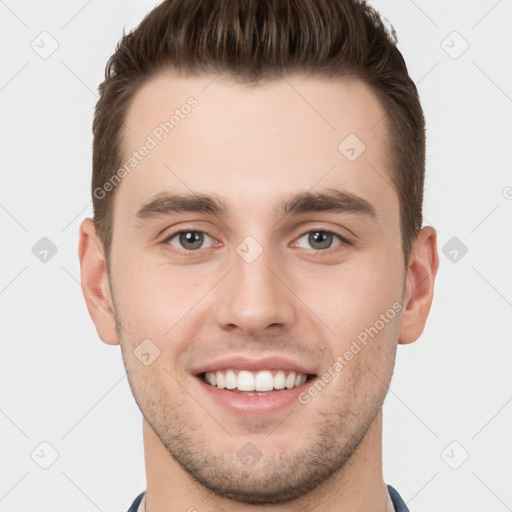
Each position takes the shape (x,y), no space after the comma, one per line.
(389,505)
(142,506)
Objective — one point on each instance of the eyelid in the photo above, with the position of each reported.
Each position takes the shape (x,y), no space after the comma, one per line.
(317,252)
(168,238)
(344,240)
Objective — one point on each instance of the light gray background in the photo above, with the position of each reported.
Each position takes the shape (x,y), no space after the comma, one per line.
(451,392)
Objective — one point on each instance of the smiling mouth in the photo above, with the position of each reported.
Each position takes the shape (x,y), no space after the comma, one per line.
(251,383)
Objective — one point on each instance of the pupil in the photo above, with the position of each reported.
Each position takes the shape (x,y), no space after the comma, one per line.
(191,239)
(320,237)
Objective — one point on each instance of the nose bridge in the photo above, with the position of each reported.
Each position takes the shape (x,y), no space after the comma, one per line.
(253,298)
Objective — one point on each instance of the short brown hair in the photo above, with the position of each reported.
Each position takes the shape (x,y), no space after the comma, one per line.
(254,40)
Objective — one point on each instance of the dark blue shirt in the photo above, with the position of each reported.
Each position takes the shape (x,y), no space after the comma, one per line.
(398,502)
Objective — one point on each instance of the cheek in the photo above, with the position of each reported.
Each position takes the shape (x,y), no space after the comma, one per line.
(357,302)
(156,301)
(141,297)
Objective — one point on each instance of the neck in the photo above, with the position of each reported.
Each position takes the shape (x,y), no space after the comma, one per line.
(358,486)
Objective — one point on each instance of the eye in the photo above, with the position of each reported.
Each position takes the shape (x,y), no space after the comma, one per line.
(188,240)
(321,239)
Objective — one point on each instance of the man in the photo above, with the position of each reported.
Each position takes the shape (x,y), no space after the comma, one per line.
(257,248)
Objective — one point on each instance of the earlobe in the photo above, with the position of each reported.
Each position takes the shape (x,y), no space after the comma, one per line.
(419,290)
(95,285)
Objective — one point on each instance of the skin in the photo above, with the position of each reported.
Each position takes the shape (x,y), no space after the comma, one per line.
(252,147)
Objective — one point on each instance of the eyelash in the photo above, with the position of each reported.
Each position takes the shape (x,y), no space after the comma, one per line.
(331,250)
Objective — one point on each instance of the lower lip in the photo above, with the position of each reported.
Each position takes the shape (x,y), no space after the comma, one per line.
(256,404)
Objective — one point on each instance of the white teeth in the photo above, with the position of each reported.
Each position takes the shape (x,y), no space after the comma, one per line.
(230,380)
(300,379)
(220,380)
(263,381)
(245,381)
(290,380)
(279,380)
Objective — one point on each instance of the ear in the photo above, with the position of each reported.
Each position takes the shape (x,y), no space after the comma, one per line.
(95,284)
(419,286)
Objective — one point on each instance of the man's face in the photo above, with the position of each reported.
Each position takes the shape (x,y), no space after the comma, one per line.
(262,284)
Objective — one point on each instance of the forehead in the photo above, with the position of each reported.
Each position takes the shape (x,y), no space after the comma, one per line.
(209,134)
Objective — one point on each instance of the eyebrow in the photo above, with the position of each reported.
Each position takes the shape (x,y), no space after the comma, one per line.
(331,200)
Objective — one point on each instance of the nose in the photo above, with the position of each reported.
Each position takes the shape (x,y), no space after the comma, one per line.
(255,297)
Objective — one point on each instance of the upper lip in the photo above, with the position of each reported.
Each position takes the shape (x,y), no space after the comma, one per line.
(240,362)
